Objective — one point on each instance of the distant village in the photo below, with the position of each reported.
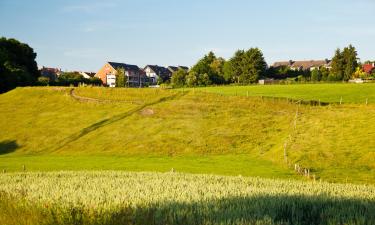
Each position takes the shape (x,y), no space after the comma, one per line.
(152,75)
(136,76)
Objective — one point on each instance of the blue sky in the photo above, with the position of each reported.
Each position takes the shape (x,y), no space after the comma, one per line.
(83,35)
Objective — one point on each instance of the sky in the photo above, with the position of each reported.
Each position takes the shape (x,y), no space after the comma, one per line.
(82,35)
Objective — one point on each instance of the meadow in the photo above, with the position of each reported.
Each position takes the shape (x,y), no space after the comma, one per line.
(105,139)
(325,92)
(175,198)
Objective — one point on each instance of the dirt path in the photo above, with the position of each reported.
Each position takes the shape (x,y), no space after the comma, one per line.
(88,99)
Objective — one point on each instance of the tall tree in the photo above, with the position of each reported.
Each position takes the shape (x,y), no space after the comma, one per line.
(246,66)
(337,71)
(350,60)
(17,64)
(253,66)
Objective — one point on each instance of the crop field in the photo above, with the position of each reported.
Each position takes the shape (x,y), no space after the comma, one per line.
(176,198)
(333,93)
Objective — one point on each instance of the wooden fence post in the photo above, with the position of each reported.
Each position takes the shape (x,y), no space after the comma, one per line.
(341,100)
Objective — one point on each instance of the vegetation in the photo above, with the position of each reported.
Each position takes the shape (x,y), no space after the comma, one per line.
(175,198)
(121,79)
(17,64)
(244,67)
(192,131)
(331,93)
(344,64)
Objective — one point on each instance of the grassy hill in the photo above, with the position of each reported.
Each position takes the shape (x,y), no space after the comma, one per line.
(190,131)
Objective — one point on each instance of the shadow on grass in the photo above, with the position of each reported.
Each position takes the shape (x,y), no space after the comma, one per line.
(264,209)
(8,146)
(112,120)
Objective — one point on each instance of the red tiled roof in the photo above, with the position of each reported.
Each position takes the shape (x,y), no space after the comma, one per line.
(368,68)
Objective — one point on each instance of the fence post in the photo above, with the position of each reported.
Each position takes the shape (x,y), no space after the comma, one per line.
(366,101)
(247,94)
(23,167)
(341,100)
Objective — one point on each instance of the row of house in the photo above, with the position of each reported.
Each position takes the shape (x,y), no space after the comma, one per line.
(136,77)
(304,65)
(317,64)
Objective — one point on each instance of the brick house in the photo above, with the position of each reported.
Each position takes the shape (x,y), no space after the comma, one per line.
(155,72)
(135,76)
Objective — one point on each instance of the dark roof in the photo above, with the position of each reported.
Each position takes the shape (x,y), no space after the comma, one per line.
(91,74)
(123,65)
(175,68)
(183,67)
(159,70)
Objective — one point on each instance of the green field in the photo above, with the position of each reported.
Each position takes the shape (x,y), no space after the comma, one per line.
(190,131)
(333,93)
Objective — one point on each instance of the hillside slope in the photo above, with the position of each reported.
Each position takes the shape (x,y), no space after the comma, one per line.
(191,131)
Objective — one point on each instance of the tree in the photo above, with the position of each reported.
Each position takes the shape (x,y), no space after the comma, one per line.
(192,79)
(316,75)
(324,73)
(17,64)
(337,71)
(246,66)
(43,81)
(344,64)
(350,62)
(359,73)
(70,78)
(228,72)
(121,79)
(253,66)
(178,78)
(210,66)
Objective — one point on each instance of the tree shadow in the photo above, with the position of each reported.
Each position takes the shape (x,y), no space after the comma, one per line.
(263,209)
(8,146)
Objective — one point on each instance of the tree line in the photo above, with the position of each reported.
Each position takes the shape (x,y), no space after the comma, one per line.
(245,67)
(248,66)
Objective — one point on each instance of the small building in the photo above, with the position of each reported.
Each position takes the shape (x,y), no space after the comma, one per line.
(51,73)
(155,72)
(135,76)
